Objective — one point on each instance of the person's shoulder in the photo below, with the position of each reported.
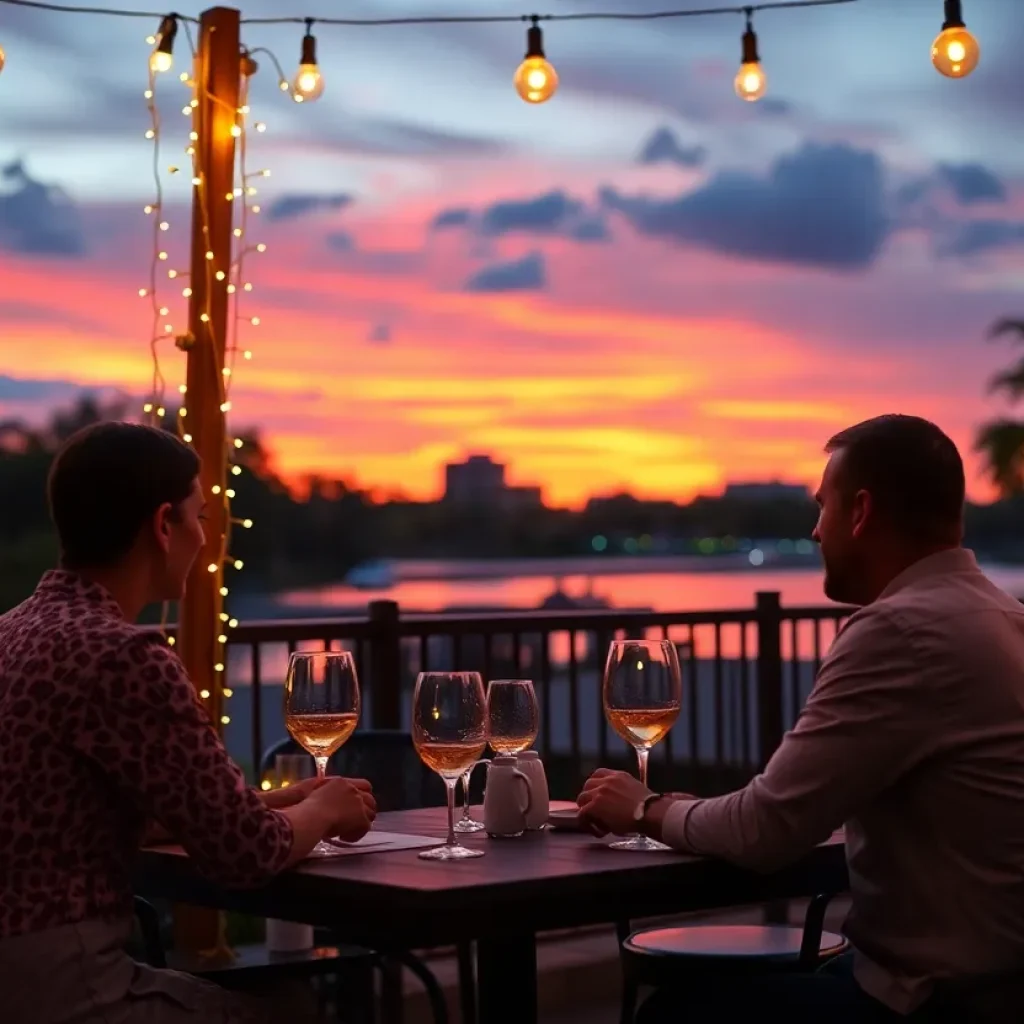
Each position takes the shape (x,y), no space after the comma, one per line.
(872,640)
(875,624)
(131,647)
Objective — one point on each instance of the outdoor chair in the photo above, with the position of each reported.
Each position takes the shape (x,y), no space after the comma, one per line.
(662,956)
(350,966)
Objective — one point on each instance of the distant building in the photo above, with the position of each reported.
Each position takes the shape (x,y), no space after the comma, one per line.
(773,490)
(479,482)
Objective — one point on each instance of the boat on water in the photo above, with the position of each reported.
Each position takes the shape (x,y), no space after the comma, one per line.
(379,574)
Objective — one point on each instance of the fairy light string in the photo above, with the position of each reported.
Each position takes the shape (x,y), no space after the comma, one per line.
(233,277)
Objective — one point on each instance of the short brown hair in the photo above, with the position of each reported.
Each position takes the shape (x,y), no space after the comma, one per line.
(107,481)
(912,471)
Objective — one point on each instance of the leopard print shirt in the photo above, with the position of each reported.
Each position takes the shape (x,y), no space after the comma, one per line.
(100,731)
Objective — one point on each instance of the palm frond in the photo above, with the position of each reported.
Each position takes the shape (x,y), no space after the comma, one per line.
(1010,381)
(1007,326)
(1001,442)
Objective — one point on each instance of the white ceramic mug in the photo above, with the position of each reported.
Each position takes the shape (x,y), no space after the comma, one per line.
(530,764)
(508,798)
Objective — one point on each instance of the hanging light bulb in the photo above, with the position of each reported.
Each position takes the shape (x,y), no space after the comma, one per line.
(535,79)
(162,56)
(955,52)
(309,83)
(751,81)
(3,58)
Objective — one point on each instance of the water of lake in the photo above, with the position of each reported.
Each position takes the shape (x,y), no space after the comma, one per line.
(624,583)
(623,587)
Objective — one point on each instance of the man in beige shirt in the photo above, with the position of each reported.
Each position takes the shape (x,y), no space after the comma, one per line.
(913,738)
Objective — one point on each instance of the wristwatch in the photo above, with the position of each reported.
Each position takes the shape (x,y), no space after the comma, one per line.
(641,808)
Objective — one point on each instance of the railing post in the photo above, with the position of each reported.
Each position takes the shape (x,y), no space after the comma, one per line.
(769,673)
(385,665)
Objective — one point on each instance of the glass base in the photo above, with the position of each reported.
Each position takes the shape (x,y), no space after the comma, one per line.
(450,853)
(323,849)
(642,843)
(468,825)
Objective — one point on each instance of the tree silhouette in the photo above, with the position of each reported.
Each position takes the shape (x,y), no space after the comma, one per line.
(1001,441)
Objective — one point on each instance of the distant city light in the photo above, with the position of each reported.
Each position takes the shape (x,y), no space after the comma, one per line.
(756,557)
(599,543)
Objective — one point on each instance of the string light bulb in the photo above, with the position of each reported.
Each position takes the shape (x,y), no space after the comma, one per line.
(3,58)
(162,57)
(955,52)
(309,83)
(751,81)
(535,79)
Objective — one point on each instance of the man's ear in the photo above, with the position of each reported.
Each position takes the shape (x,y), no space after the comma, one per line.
(861,512)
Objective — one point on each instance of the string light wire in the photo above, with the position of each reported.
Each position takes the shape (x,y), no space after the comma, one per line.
(450,19)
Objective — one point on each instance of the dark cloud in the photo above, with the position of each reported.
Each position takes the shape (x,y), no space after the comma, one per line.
(593,229)
(976,237)
(772,106)
(341,241)
(820,206)
(23,389)
(37,219)
(664,148)
(459,217)
(972,183)
(550,213)
(380,334)
(526,274)
(553,213)
(967,183)
(299,204)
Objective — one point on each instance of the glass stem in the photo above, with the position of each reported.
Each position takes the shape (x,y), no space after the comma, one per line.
(321,767)
(465,794)
(450,786)
(641,756)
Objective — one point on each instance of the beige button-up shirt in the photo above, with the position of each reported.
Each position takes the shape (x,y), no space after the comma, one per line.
(913,737)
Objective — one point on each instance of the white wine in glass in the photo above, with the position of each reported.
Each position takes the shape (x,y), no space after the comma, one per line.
(321,708)
(449,732)
(512,724)
(512,716)
(642,695)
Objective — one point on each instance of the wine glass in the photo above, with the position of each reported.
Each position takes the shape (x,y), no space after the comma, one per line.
(321,708)
(449,731)
(512,715)
(642,693)
(512,718)
(467,824)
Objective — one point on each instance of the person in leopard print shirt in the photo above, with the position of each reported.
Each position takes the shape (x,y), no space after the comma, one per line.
(101,731)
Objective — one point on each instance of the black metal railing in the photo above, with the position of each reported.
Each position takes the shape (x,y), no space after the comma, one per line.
(746,675)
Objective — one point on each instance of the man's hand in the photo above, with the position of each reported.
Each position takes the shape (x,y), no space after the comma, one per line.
(609,800)
(347,806)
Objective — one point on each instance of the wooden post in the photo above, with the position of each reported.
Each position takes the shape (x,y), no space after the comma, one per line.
(217,74)
(385,666)
(769,674)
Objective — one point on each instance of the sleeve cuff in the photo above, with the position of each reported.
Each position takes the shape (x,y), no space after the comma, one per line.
(673,829)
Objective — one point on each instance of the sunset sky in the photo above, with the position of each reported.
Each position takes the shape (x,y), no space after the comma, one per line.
(643,284)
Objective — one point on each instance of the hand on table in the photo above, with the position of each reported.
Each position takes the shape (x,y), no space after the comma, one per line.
(609,800)
(290,795)
(347,805)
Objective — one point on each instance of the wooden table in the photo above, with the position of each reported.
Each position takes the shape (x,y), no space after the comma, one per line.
(538,882)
